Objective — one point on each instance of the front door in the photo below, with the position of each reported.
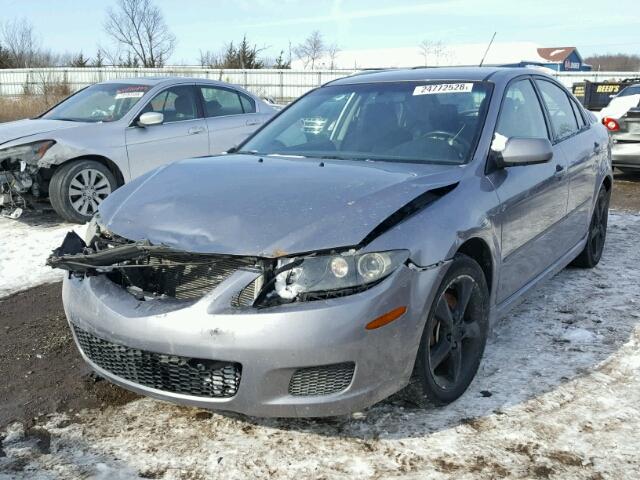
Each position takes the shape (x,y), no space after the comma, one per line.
(183,134)
(533,197)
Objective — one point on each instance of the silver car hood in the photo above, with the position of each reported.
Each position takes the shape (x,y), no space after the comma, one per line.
(239,205)
(11,131)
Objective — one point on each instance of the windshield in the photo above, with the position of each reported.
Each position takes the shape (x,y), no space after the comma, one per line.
(426,122)
(105,102)
(632,90)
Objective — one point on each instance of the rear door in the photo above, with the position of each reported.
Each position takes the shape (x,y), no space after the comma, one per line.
(230,116)
(533,197)
(183,134)
(580,147)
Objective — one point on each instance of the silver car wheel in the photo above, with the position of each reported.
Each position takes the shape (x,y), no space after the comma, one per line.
(87,190)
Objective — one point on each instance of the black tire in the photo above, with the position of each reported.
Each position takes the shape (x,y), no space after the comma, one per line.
(77,203)
(597,234)
(458,344)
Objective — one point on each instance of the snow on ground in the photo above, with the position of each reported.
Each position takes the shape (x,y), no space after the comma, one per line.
(557,396)
(25,244)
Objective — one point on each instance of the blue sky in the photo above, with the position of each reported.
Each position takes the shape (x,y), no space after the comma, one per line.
(593,26)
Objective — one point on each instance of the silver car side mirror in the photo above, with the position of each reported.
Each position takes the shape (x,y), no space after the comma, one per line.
(149,119)
(523,151)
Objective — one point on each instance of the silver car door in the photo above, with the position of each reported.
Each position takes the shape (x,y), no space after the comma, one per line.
(230,115)
(183,134)
(533,197)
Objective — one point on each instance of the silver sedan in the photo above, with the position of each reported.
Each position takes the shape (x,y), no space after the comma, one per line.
(93,142)
(365,236)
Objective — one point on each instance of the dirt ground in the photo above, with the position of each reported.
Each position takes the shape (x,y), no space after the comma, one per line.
(41,369)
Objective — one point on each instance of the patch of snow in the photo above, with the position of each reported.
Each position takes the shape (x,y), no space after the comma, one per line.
(540,407)
(25,244)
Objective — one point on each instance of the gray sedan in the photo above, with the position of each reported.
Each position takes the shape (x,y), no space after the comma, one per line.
(84,148)
(366,237)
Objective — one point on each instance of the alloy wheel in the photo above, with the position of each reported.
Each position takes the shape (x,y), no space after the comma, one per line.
(456,339)
(87,190)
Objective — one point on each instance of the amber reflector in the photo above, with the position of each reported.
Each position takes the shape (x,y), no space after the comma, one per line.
(388,317)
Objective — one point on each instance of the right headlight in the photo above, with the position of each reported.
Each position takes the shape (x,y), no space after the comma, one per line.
(305,277)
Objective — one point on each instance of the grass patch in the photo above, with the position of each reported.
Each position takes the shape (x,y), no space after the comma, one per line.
(26,106)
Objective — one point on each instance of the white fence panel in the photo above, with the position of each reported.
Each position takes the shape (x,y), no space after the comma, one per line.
(282,85)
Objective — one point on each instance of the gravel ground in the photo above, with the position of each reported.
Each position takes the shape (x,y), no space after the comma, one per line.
(557,396)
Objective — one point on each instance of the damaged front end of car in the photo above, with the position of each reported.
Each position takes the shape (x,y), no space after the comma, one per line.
(21,177)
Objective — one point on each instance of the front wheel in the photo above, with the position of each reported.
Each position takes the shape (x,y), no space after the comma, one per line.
(455,333)
(592,252)
(77,189)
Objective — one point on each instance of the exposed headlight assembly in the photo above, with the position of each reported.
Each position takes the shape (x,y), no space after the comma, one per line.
(324,276)
(27,153)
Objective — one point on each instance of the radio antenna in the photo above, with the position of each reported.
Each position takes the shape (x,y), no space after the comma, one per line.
(487,50)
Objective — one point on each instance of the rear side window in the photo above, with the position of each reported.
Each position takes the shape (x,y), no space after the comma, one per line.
(559,106)
(521,114)
(248,105)
(578,114)
(220,102)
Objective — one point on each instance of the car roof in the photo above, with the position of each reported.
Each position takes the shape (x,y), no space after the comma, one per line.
(495,74)
(153,81)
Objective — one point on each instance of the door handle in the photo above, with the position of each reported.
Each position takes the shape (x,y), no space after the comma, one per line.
(195,130)
(250,123)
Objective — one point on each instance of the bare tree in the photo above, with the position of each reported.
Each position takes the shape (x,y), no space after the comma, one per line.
(332,51)
(20,42)
(311,50)
(139,27)
(432,52)
(619,62)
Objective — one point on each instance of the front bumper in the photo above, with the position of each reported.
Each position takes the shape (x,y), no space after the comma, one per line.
(270,344)
(626,155)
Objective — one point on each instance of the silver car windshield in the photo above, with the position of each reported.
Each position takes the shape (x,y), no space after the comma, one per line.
(425,122)
(106,102)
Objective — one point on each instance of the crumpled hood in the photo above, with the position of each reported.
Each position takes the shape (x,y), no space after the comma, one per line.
(25,128)
(237,205)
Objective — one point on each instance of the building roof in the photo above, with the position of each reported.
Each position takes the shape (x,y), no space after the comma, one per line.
(557,54)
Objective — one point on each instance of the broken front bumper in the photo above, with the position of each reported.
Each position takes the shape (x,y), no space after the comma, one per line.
(302,359)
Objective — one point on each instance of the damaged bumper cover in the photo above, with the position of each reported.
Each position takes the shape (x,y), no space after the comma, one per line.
(312,358)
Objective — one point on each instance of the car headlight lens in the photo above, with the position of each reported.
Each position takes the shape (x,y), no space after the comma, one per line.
(29,152)
(333,273)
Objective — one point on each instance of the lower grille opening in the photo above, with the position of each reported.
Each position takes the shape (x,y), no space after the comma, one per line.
(170,373)
(322,380)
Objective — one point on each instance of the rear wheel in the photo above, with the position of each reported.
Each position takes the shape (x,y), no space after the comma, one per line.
(455,333)
(592,252)
(77,189)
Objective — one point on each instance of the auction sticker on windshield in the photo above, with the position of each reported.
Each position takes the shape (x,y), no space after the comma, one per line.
(435,88)
(129,95)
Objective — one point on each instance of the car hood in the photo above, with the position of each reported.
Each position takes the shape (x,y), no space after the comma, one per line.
(11,131)
(269,207)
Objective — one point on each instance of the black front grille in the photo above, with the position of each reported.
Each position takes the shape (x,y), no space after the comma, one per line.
(170,373)
(323,380)
(177,276)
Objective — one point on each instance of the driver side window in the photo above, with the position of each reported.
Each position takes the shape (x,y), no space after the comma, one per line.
(177,104)
(521,114)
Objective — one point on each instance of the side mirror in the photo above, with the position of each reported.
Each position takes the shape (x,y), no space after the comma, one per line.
(149,119)
(523,151)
